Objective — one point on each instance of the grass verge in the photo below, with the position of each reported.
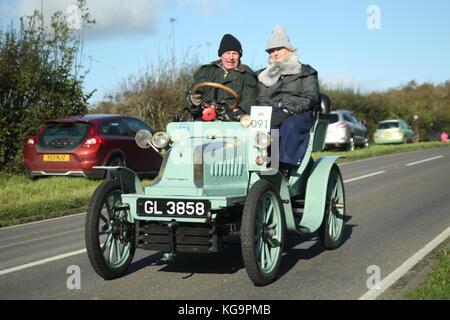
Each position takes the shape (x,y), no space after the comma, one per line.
(23,200)
(380,150)
(437,284)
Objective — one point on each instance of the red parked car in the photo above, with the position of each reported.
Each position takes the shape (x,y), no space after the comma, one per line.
(72,146)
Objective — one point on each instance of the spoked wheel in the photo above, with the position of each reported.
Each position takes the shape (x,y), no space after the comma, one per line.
(262,232)
(109,232)
(331,230)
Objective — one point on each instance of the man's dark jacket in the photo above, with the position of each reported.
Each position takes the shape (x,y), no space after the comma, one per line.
(242,80)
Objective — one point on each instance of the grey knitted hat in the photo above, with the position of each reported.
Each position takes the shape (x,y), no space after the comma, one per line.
(279,39)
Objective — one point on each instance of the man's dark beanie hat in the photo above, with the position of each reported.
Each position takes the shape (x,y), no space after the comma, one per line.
(230,43)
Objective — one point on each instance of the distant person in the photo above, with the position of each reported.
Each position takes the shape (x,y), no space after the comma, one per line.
(444,136)
(433,132)
(292,89)
(415,127)
(229,71)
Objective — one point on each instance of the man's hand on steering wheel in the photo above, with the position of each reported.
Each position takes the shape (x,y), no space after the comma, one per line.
(195,99)
(221,108)
(225,113)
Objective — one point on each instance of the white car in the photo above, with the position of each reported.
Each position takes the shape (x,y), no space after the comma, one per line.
(344,130)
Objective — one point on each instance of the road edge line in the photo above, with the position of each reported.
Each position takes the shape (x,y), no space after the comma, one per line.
(387,282)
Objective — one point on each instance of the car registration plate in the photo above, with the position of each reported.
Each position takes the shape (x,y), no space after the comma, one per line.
(173,207)
(57,157)
(387,135)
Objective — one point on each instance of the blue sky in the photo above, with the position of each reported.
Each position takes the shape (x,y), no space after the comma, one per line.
(412,41)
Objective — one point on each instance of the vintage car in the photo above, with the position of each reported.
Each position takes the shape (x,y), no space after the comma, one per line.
(218,178)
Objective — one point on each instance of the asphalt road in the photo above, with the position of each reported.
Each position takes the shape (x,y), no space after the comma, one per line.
(396,204)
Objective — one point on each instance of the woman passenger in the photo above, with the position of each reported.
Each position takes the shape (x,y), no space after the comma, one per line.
(292,89)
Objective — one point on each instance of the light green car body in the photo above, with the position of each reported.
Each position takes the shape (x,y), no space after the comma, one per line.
(218,179)
(216,161)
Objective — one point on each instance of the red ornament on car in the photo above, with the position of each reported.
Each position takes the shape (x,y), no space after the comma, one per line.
(208,114)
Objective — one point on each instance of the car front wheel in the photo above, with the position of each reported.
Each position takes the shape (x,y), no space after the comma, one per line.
(262,233)
(109,232)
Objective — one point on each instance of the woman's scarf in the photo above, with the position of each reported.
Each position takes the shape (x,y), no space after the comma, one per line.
(276,69)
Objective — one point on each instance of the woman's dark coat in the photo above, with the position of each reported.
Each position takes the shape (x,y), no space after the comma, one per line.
(293,98)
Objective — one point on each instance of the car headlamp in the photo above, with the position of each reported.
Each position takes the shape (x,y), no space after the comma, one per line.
(143,138)
(262,140)
(160,140)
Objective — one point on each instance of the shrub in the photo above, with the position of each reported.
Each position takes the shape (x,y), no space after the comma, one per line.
(156,95)
(39,80)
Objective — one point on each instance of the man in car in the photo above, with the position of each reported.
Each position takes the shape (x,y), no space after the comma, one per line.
(229,71)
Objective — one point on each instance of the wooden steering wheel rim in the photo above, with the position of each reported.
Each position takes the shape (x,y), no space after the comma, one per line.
(218,86)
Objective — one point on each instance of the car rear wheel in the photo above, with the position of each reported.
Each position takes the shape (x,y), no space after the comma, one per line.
(30,176)
(116,161)
(332,229)
(366,142)
(350,146)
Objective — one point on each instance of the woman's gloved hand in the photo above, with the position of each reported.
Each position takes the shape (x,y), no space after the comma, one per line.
(195,99)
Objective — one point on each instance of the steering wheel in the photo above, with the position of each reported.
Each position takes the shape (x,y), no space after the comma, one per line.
(218,86)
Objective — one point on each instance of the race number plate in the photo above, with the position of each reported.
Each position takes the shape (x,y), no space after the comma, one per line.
(173,208)
(261,117)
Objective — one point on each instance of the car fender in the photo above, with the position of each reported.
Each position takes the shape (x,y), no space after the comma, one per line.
(129,180)
(113,153)
(316,190)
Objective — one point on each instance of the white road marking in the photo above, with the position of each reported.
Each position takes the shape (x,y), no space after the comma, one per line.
(41,221)
(39,239)
(372,294)
(365,176)
(425,160)
(43,261)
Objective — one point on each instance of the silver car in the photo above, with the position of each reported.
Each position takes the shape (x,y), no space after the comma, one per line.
(345,131)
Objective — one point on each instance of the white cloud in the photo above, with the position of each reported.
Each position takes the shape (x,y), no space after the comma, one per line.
(118,16)
(115,17)
(112,16)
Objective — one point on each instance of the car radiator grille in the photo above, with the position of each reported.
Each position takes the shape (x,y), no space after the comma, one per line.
(231,168)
